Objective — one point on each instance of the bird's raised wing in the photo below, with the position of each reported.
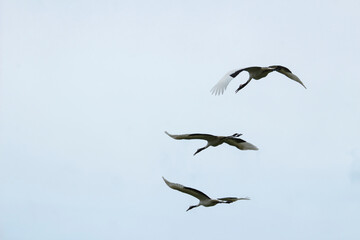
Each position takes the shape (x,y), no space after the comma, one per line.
(232,199)
(288,73)
(191,191)
(240,144)
(222,84)
(202,136)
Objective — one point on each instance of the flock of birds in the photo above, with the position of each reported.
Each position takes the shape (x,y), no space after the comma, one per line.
(233,140)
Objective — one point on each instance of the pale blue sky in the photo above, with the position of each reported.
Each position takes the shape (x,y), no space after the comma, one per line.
(88,88)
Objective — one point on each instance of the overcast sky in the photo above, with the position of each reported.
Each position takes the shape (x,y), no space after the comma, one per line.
(88,88)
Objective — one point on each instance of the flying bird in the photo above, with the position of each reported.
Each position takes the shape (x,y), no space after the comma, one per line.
(203,198)
(214,141)
(254,73)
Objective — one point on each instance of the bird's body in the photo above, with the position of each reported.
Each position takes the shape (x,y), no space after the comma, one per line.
(204,200)
(254,73)
(214,141)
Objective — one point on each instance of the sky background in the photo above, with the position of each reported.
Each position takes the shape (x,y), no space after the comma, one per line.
(87,89)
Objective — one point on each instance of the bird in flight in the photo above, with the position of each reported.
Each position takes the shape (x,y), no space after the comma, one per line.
(214,141)
(254,73)
(204,200)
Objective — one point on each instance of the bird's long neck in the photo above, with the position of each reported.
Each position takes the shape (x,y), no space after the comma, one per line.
(194,206)
(200,149)
(243,85)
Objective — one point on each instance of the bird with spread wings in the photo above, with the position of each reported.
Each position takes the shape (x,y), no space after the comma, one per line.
(254,73)
(204,200)
(214,141)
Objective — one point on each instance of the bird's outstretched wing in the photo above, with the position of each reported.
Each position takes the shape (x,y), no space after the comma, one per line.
(288,73)
(232,199)
(191,191)
(240,144)
(202,136)
(222,84)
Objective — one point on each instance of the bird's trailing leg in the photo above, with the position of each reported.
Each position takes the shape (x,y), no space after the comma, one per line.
(243,85)
(236,135)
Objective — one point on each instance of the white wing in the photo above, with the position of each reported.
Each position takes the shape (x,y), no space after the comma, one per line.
(191,191)
(289,74)
(222,84)
(240,144)
(293,77)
